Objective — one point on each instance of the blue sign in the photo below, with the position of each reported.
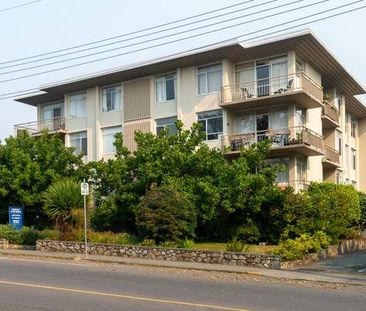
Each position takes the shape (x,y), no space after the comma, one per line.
(16,217)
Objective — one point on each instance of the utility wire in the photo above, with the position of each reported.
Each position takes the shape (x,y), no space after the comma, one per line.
(255,37)
(130,33)
(181,32)
(146,35)
(18,6)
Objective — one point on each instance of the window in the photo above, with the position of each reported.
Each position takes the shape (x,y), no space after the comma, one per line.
(338,100)
(353,126)
(301,169)
(77,105)
(165,86)
(209,79)
(109,138)
(354,159)
(283,175)
(80,142)
(111,99)
(211,123)
(300,117)
(299,65)
(338,142)
(338,178)
(346,151)
(168,124)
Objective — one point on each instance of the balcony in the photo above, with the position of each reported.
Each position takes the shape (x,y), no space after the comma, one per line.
(264,92)
(35,128)
(330,115)
(288,140)
(297,185)
(331,158)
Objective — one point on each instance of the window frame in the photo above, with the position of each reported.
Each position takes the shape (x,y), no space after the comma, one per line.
(69,105)
(175,87)
(353,127)
(206,79)
(219,134)
(164,126)
(113,134)
(115,86)
(80,139)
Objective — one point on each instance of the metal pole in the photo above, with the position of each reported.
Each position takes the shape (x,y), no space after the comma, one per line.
(85,229)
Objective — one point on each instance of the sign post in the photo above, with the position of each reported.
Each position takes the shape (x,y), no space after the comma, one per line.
(84,187)
(16,217)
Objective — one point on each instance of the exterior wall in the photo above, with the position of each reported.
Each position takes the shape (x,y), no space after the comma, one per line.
(137,99)
(313,74)
(362,154)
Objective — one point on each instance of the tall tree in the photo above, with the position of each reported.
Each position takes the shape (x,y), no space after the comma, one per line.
(28,166)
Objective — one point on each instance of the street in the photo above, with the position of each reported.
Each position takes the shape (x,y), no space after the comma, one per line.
(30,284)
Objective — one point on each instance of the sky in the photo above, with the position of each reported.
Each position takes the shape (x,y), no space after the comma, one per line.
(48,25)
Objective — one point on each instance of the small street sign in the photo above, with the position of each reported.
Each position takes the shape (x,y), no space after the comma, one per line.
(84,188)
(16,217)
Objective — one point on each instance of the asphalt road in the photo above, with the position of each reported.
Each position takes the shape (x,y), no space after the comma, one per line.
(60,285)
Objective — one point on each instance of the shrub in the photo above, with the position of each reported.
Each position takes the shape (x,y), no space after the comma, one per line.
(48,234)
(60,199)
(292,249)
(108,237)
(362,197)
(333,209)
(165,214)
(7,232)
(29,236)
(185,243)
(168,244)
(248,234)
(148,242)
(235,245)
(103,215)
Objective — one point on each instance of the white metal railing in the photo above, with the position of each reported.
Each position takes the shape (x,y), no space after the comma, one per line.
(270,87)
(278,137)
(35,127)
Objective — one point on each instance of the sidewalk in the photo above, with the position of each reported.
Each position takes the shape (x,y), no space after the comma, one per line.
(340,278)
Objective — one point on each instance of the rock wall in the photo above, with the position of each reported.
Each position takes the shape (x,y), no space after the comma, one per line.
(169,254)
(4,244)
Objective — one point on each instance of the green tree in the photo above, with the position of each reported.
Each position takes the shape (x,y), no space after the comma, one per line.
(28,166)
(165,214)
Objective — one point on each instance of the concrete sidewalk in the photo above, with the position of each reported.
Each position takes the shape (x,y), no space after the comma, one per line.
(339,278)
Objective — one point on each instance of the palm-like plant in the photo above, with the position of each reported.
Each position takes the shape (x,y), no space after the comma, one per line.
(61,201)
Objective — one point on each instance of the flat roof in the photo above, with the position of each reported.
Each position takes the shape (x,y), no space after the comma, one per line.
(305,44)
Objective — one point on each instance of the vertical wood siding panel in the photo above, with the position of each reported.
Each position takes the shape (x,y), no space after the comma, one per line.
(136,99)
(129,132)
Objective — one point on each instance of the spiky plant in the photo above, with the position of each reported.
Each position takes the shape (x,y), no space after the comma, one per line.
(61,201)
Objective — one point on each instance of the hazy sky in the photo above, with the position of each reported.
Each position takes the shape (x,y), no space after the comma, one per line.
(49,25)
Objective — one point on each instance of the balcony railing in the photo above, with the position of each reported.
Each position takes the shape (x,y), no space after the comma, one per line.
(331,112)
(296,184)
(36,127)
(279,138)
(274,86)
(331,155)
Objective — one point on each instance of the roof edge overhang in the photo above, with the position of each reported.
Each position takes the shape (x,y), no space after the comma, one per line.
(305,43)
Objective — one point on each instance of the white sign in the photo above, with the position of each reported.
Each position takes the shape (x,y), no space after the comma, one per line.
(84,188)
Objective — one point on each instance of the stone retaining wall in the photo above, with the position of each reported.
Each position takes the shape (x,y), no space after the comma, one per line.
(169,254)
(4,244)
(344,247)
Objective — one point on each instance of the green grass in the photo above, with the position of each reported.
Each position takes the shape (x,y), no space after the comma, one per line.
(215,246)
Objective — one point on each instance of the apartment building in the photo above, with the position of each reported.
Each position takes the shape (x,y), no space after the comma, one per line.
(290,90)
